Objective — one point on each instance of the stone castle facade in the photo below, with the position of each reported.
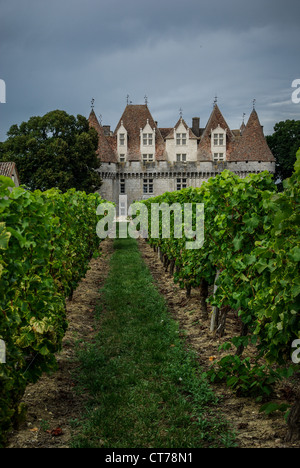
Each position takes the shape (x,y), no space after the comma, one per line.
(141,160)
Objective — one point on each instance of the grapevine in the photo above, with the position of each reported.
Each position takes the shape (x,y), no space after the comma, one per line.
(251,256)
(46,241)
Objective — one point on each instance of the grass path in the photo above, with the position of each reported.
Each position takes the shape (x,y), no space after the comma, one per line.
(144,388)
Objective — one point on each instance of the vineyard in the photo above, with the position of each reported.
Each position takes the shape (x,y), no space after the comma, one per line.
(248,264)
(46,242)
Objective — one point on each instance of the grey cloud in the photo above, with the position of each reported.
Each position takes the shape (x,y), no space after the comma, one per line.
(60,54)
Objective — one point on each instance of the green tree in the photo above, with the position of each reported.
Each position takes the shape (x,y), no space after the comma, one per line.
(284,144)
(56,150)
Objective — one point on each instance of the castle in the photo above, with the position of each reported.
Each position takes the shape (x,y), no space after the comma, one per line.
(141,160)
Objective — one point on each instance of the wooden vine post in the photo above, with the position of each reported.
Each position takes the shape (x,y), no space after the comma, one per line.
(215,312)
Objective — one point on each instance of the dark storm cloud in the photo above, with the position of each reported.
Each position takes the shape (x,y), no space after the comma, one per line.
(60,54)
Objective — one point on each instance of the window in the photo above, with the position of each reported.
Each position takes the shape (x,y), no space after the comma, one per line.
(123,209)
(122,139)
(180,138)
(122,186)
(181,157)
(147,139)
(219,157)
(218,139)
(148,186)
(181,184)
(122,157)
(147,157)
(218,144)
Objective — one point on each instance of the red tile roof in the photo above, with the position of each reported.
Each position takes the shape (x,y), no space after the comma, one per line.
(165,132)
(134,118)
(181,120)
(104,151)
(246,144)
(252,145)
(216,118)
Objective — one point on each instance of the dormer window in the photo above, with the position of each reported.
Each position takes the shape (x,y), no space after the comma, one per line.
(181,157)
(219,157)
(147,139)
(122,142)
(147,142)
(181,139)
(218,139)
(122,139)
(148,157)
(218,144)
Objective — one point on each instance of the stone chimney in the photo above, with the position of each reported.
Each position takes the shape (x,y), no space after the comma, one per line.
(196,126)
(106,129)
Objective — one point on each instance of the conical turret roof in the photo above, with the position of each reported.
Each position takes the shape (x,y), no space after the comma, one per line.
(252,145)
(104,151)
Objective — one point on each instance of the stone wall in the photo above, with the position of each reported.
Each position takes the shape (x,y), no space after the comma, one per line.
(164,175)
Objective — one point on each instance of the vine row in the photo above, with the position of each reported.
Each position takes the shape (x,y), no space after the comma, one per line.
(249,264)
(46,242)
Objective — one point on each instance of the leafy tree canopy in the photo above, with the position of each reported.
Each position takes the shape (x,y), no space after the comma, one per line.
(284,144)
(56,150)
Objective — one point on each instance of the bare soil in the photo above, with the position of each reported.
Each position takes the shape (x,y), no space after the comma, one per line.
(54,407)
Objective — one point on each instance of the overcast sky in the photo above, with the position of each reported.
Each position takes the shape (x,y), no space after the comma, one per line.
(59,54)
